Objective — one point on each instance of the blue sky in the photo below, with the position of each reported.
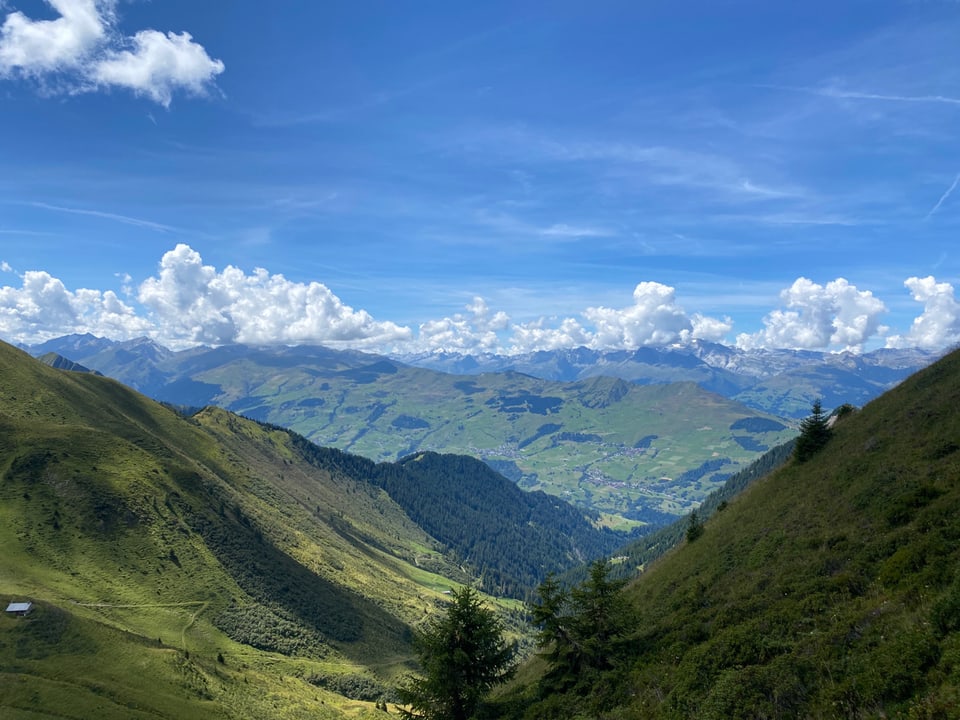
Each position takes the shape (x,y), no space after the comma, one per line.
(481,176)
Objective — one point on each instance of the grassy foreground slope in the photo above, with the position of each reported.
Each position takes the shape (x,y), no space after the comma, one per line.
(191,568)
(829,589)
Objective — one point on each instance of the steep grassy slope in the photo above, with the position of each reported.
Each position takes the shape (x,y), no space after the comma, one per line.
(246,571)
(633,557)
(828,589)
(155,546)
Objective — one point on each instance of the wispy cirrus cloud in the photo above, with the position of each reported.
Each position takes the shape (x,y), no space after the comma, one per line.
(518,228)
(562,230)
(125,219)
(813,218)
(671,165)
(840,94)
(627,164)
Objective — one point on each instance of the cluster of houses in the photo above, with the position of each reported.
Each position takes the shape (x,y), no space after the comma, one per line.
(19,609)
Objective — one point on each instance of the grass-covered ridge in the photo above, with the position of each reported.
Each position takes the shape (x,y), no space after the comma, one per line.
(153,550)
(195,567)
(828,589)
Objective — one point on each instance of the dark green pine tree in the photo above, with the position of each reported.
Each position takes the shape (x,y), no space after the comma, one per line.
(694,527)
(581,631)
(557,636)
(462,656)
(814,433)
(599,610)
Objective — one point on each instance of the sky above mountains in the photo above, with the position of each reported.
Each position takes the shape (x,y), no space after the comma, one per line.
(501,176)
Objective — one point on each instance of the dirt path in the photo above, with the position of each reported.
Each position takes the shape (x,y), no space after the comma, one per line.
(203,604)
(141,605)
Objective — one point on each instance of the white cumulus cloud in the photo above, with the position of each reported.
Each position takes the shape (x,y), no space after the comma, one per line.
(939,325)
(710,328)
(819,317)
(187,302)
(81,50)
(158,65)
(655,319)
(36,47)
(193,303)
(43,308)
(474,332)
(538,335)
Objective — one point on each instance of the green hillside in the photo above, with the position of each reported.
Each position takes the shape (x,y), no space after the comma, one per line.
(245,570)
(152,551)
(193,568)
(828,589)
(638,453)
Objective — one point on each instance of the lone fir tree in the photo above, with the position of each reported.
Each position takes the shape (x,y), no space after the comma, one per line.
(694,527)
(582,630)
(814,433)
(462,656)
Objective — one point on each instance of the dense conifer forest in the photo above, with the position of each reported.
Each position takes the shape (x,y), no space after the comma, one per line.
(510,539)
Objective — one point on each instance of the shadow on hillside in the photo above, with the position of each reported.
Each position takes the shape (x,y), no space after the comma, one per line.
(288,594)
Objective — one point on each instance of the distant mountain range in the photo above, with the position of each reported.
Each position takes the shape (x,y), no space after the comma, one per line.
(636,453)
(780,382)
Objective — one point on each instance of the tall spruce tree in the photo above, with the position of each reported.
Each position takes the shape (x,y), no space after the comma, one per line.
(694,527)
(599,609)
(462,656)
(581,630)
(558,636)
(814,433)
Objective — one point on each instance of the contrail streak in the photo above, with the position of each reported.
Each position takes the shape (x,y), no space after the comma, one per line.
(943,197)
